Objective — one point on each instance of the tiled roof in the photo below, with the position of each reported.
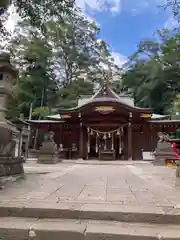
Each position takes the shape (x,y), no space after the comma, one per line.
(106,94)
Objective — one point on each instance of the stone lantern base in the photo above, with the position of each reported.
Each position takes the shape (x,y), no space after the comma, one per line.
(48,153)
(10,162)
(10,156)
(10,166)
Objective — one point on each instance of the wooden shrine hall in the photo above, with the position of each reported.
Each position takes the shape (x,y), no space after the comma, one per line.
(106,126)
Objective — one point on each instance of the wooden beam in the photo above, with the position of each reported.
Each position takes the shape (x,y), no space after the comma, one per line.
(103,124)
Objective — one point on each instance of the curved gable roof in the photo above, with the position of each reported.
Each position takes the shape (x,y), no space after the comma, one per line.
(106,94)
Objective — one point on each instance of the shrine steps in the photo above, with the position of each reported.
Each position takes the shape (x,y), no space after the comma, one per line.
(55,229)
(75,221)
(92,211)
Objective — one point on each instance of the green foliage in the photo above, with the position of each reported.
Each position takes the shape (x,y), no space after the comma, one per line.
(41,112)
(36,83)
(4,4)
(68,96)
(174,5)
(175,109)
(153,72)
(58,56)
(75,47)
(39,11)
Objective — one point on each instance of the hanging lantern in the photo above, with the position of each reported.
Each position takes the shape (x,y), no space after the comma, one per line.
(118,132)
(109,135)
(88,147)
(104,137)
(112,142)
(91,133)
(96,143)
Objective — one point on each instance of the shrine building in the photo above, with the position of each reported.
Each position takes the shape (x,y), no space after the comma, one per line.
(106,126)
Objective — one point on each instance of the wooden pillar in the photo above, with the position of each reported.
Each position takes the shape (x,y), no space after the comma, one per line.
(20,143)
(129,135)
(151,138)
(81,146)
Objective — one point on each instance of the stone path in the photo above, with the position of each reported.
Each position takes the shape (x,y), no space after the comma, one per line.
(91,201)
(125,184)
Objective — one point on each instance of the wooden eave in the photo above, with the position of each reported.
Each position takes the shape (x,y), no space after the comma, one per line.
(165,121)
(45,121)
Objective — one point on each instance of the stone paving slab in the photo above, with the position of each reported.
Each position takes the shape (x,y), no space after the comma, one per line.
(134,184)
(96,162)
(55,229)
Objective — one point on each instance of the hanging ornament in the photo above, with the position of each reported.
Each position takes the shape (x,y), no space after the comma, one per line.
(60,147)
(91,133)
(104,137)
(118,132)
(88,130)
(112,144)
(109,135)
(96,143)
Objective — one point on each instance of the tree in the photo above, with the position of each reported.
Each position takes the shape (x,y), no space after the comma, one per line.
(36,83)
(38,11)
(68,97)
(175,6)
(60,64)
(4,4)
(77,52)
(153,72)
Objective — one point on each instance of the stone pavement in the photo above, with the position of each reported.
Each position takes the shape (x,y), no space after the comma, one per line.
(91,201)
(134,184)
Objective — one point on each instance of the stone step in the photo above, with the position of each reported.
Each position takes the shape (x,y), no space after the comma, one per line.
(74,210)
(56,229)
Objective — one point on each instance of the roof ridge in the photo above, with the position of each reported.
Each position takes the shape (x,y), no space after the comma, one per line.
(114,93)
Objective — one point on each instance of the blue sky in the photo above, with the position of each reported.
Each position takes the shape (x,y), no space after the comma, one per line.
(124,23)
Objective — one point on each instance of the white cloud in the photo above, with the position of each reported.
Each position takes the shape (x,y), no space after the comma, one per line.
(12,19)
(112,6)
(140,6)
(119,59)
(171,23)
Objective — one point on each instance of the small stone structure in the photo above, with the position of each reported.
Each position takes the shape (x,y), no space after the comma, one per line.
(48,153)
(163,150)
(178,169)
(11,162)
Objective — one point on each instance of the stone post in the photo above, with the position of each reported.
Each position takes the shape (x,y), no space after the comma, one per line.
(178,170)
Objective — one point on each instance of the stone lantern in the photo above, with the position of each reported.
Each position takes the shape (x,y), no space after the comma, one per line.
(10,163)
(7,72)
